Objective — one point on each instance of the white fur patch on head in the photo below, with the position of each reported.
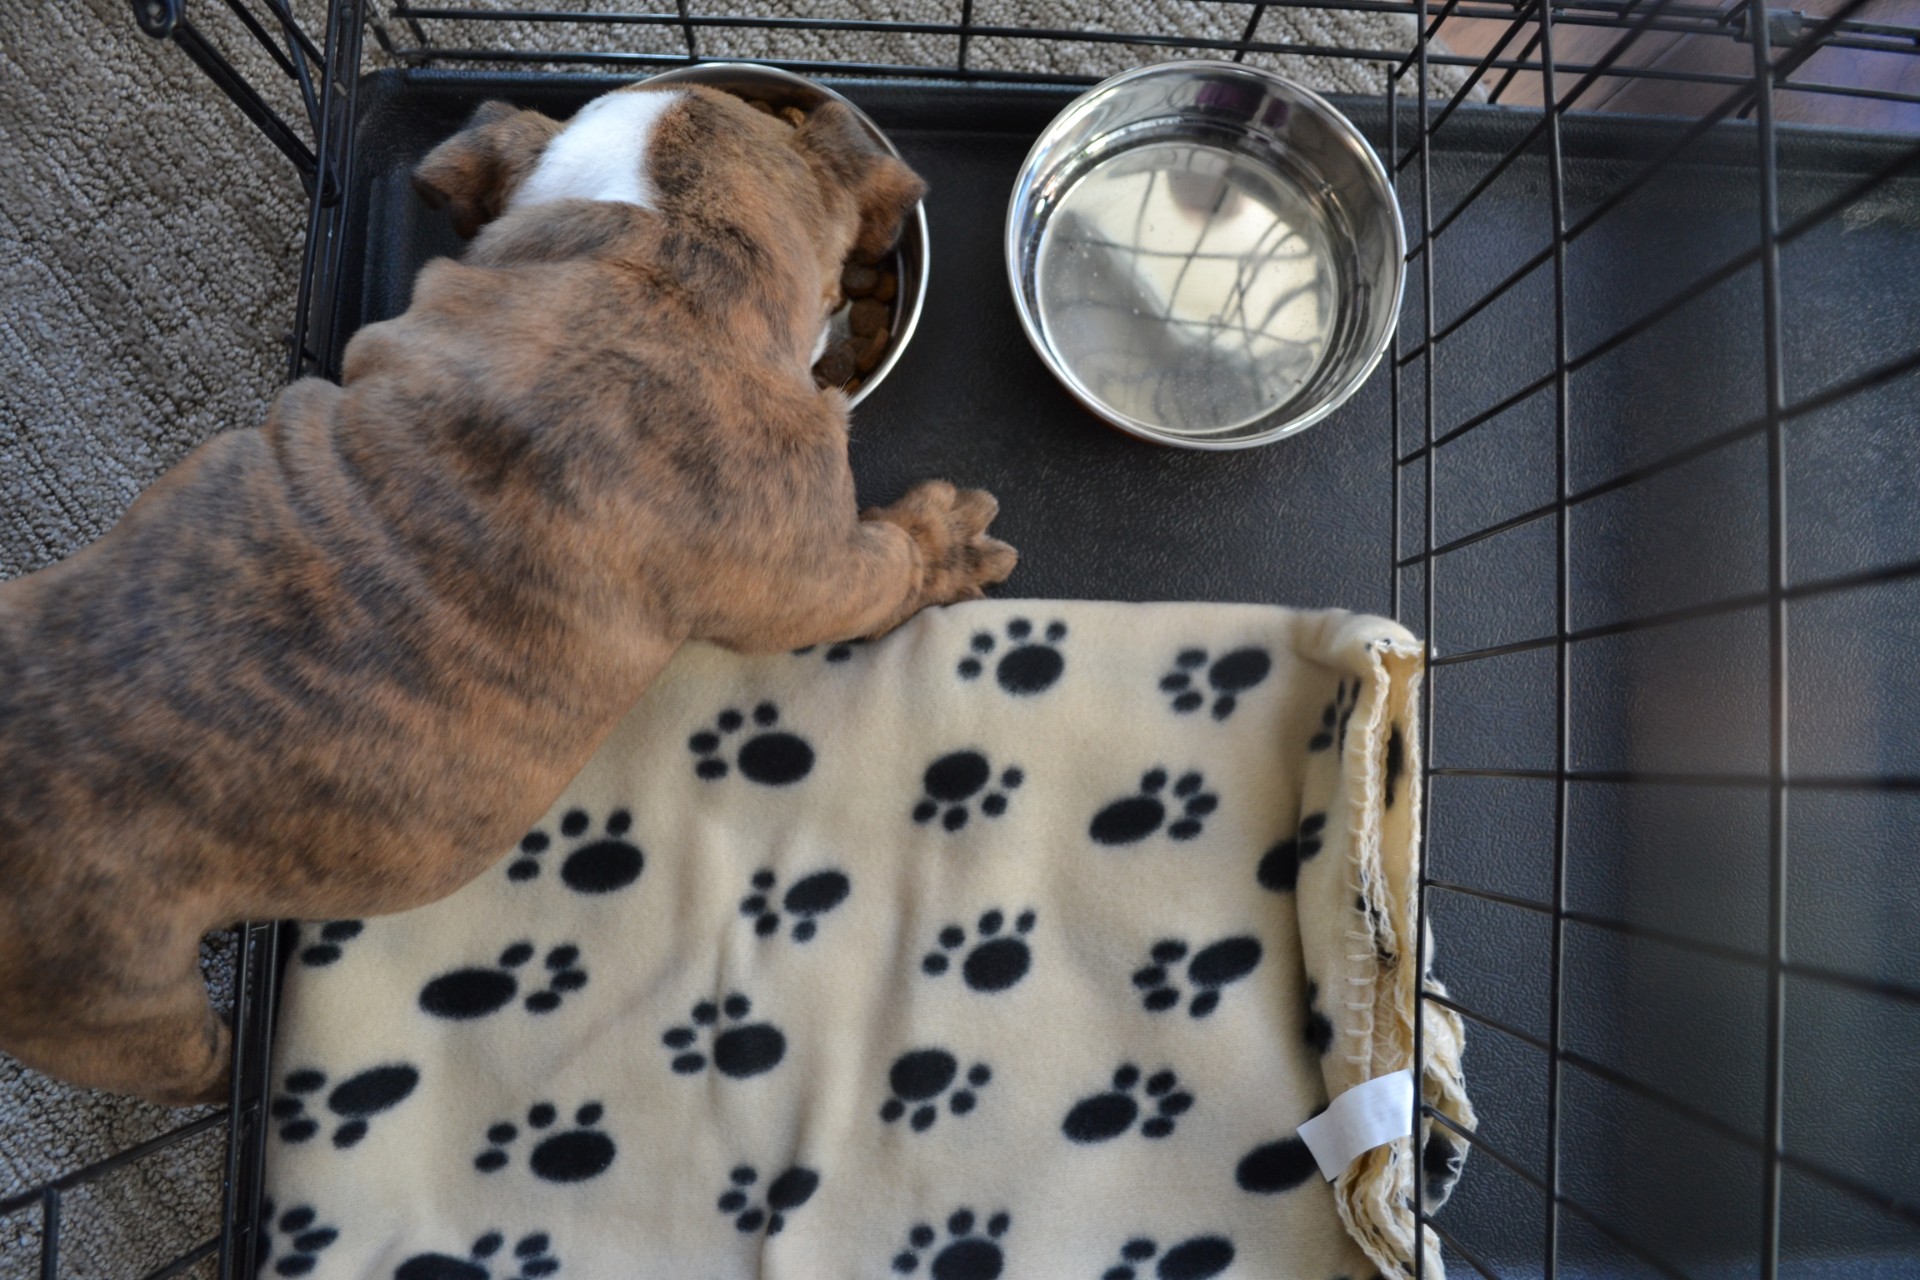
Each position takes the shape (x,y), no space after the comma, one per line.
(601,154)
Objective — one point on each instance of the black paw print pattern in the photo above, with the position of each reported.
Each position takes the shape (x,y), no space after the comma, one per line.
(1318,1030)
(1333,720)
(476,992)
(1280,868)
(1274,1167)
(571,1155)
(951,783)
(968,1254)
(784,1194)
(1030,664)
(837,652)
(595,864)
(1442,1162)
(739,1052)
(1104,1116)
(355,1100)
(291,1244)
(995,962)
(1396,762)
(1188,686)
(770,755)
(1133,818)
(532,1258)
(1198,1258)
(920,1078)
(806,900)
(334,935)
(1216,965)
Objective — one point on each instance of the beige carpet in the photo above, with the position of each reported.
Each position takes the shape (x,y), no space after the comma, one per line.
(149,241)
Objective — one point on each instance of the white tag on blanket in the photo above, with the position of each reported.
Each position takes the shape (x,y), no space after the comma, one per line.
(1359,1120)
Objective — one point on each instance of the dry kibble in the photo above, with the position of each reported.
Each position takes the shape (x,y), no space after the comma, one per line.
(837,363)
(792,115)
(870,290)
(764,108)
(867,317)
(872,350)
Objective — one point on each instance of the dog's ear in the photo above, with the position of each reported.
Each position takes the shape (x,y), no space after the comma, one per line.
(474,172)
(883,189)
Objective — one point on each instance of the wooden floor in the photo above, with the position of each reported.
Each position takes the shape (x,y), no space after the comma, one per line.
(1575,45)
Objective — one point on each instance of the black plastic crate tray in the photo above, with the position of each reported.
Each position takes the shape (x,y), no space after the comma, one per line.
(1665,458)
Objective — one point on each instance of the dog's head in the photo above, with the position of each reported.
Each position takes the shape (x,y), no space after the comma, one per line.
(736,189)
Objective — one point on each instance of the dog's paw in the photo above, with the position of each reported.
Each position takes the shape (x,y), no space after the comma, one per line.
(958,561)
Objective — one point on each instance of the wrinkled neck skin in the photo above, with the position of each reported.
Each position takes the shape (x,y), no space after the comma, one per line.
(593,191)
(755,299)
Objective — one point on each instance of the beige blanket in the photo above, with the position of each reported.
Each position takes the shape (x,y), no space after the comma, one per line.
(1019,943)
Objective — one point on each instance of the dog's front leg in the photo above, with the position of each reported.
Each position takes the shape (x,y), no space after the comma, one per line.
(953,558)
(931,547)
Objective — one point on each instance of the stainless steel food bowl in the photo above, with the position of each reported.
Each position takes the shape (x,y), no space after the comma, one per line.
(780,88)
(1206,254)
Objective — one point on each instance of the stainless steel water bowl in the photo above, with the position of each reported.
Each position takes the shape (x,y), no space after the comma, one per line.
(1206,254)
(779,88)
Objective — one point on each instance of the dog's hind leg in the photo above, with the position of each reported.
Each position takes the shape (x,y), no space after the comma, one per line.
(159,1039)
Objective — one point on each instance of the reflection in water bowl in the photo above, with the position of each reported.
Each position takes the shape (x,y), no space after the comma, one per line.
(1188,287)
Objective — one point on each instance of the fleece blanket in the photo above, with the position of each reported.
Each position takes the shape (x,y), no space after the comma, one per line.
(1020,942)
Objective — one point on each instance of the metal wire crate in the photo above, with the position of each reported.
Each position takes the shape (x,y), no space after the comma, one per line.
(1643,466)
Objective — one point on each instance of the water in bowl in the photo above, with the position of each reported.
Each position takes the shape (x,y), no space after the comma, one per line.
(1187,286)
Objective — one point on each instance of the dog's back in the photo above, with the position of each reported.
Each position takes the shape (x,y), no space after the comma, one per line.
(336,665)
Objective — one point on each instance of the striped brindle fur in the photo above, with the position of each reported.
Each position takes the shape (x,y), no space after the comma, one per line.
(335,665)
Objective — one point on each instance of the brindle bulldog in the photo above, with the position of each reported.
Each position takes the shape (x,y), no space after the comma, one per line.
(334,666)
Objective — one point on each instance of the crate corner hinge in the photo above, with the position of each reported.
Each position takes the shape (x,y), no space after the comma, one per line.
(1784,26)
